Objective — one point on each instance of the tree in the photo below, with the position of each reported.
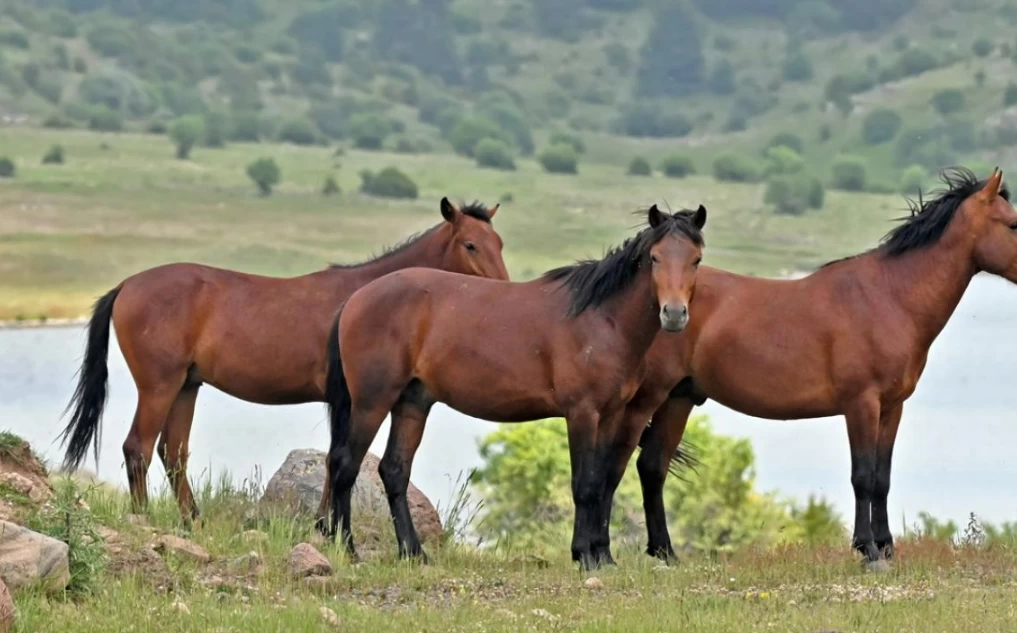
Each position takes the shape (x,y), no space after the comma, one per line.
(982,47)
(185,133)
(490,152)
(420,34)
(640,167)
(265,174)
(672,61)
(369,130)
(678,166)
(948,101)
(849,173)
(797,67)
(1010,94)
(880,126)
(559,159)
(388,183)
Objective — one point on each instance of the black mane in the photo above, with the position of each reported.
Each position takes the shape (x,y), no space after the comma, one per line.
(929,219)
(475,210)
(592,281)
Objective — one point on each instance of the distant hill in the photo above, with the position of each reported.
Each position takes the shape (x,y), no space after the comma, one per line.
(891,84)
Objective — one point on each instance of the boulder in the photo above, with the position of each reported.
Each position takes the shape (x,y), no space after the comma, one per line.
(27,557)
(298,484)
(306,561)
(181,548)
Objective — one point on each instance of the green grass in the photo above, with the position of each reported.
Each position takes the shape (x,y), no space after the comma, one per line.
(932,586)
(123,203)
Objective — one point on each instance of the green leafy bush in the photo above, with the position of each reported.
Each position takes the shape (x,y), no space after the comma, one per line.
(186,132)
(102,119)
(793,193)
(7,168)
(388,183)
(560,159)
(736,168)
(849,173)
(55,156)
(469,131)
(217,129)
(369,130)
(1010,94)
(640,167)
(786,139)
(265,174)
(982,47)
(783,160)
(298,131)
(678,166)
(912,179)
(881,126)
(331,187)
(568,139)
(797,67)
(490,152)
(948,101)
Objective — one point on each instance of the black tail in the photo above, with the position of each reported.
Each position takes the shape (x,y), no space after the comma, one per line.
(89,397)
(686,457)
(337,392)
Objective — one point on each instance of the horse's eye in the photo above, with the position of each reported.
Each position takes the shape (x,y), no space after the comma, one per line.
(470,246)
(1013,227)
(654,260)
(698,261)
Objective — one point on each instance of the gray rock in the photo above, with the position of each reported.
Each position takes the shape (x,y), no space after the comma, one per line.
(27,557)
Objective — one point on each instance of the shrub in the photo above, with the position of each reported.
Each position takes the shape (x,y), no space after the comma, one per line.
(736,168)
(678,166)
(157,126)
(298,132)
(102,119)
(186,132)
(568,139)
(111,40)
(783,160)
(80,66)
(13,39)
(817,193)
(55,156)
(848,173)
(797,67)
(880,126)
(786,139)
(1010,94)
(265,174)
(471,130)
(640,167)
(57,122)
(490,152)
(369,129)
(65,518)
(559,159)
(722,78)
(788,193)
(7,168)
(217,129)
(388,183)
(948,101)
(331,187)
(246,127)
(982,47)
(648,119)
(912,179)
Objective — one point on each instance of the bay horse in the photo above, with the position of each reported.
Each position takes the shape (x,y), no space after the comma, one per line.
(570,343)
(260,339)
(850,339)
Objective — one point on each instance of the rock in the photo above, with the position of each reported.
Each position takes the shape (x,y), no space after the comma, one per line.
(22,485)
(248,563)
(329,616)
(181,607)
(298,484)
(27,557)
(181,548)
(878,566)
(139,520)
(6,609)
(22,471)
(594,583)
(307,561)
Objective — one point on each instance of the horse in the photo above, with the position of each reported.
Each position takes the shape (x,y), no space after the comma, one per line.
(260,339)
(850,339)
(569,343)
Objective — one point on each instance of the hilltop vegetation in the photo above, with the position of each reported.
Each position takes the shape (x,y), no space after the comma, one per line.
(892,84)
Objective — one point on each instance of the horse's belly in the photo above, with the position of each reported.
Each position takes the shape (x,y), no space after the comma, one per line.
(766,395)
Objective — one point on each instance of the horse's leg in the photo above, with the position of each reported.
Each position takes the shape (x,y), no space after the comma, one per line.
(149,417)
(324,506)
(344,462)
(174,450)
(587,483)
(863,429)
(884,456)
(408,422)
(659,446)
(616,459)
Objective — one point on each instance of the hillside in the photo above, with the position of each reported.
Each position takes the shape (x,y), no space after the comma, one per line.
(894,83)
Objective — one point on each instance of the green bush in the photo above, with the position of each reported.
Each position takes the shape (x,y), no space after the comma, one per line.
(982,47)
(298,131)
(102,119)
(559,159)
(736,168)
(490,152)
(246,127)
(14,39)
(654,120)
(797,67)
(80,66)
(7,168)
(783,160)
(1010,94)
(57,122)
(568,139)
(65,518)
(469,131)
(55,156)
(848,173)
(912,179)
(388,183)
(331,187)
(794,193)
(640,167)
(948,101)
(265,174)
(186,132)
(678,166)
(881,126)
(111,40)
(525,480)
(217,129)
(369,130)
(786,139)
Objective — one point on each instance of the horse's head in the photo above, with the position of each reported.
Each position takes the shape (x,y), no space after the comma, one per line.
(993,223)
(472,246)
(674,259)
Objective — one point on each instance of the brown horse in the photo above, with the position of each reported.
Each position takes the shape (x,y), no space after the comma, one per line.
(850,339)
(570,343)
(260,339)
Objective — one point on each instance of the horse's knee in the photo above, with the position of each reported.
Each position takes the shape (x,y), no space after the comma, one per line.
(651,472)
(342,471)
(393,475)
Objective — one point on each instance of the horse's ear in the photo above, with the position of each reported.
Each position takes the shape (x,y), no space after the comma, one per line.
(449,211)
(655,216)
(699,219)
(493,210)
(993,185)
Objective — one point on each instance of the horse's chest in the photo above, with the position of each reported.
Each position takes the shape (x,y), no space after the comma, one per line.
(901,381)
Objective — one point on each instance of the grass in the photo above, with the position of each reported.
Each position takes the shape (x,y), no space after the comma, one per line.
(933,586)
(123,203)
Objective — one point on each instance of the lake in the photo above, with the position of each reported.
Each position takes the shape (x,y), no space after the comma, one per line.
(954,454)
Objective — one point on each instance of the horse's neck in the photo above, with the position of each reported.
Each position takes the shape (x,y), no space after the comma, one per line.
(423,253)
(633,313)
(929,284)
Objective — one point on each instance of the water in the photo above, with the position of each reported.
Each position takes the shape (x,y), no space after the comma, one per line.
(954,452)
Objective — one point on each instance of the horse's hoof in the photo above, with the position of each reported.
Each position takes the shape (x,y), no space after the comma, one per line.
(877,566)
